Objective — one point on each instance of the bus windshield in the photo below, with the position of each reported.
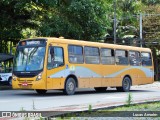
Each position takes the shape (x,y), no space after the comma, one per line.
(29,59)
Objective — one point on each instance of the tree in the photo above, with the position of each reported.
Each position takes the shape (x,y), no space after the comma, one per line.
(151,24)
(127,23)
(80,19)
(150,2)
(151,28)
(16,16)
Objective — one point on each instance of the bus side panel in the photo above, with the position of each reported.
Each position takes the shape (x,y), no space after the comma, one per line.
(120,72)
(54,79)
(54,83)
(140,75)
(135,75)
(79,72)
(84,82)
(95,82)
(88,75)
(148,77)
(113,75)
(95,75)
(108,80)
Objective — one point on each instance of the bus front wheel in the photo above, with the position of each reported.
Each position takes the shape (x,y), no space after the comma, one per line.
(70,86)
(126,84)
(41,92)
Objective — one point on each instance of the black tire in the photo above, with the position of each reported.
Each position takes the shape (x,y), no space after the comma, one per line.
(10,81)
(126,84)
(41,92)
(100,89)
(70,86)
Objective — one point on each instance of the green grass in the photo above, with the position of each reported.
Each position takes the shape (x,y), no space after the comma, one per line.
(118,111)
(140,107)
(122,111)
(129,99)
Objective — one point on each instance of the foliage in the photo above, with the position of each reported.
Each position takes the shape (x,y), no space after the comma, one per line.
(151,29)
(16,18)
(118,111)
(127,24)
(90,108)
(129,100)
(16,15)
(150,2)
(80,20)
(88,20)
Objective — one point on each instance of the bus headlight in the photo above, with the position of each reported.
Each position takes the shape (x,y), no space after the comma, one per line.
(39,76)
(14,77)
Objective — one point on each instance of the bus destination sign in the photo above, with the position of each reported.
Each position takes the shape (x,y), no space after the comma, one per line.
(32,42)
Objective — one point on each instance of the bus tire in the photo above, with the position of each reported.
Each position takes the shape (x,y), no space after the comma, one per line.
(41,92)
(70,86)
(126,84)
(100,89)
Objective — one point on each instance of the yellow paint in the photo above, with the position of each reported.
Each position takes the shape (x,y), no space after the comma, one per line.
(138,77)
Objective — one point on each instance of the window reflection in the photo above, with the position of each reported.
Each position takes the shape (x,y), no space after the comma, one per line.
(55,57)
(29,59)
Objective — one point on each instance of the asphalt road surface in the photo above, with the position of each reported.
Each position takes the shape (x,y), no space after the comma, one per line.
(17,100)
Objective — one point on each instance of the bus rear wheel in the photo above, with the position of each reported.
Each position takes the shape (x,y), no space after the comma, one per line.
(41,92)
(126,84)
(70,86)
(100,89)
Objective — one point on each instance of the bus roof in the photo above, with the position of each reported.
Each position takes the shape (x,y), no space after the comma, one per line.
(94,44)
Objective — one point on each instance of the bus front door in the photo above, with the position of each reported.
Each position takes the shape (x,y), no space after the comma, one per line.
(55,67)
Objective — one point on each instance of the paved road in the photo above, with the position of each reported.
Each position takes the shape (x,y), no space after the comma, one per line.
(16,100)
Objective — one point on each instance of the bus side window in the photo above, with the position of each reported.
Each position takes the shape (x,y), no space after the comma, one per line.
(121,57)
(75,54)
(55,57)
(146,59)
(92,55)
(134,58)
(107,56)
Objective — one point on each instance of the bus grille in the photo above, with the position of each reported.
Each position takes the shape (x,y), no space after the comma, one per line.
(28,81)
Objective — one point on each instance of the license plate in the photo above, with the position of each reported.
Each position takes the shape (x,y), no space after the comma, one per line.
(25,84)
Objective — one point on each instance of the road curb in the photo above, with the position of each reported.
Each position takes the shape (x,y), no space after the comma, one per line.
(97,106)
(47,114)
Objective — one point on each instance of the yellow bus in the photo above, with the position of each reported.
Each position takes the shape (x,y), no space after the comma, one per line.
(45,64)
